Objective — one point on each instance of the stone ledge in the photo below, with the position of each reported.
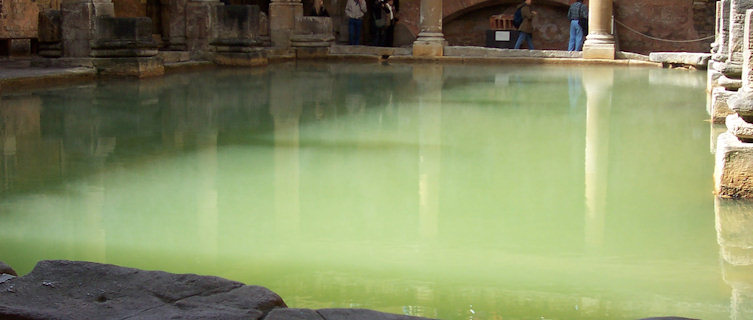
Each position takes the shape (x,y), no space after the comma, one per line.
(59,289)
(697,60)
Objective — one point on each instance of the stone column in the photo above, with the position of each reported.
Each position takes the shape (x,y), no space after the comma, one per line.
(737,10)
(79,24)
(174,27)
(598,85)
(600,41)
(282,15)
(733,171)
(199,26)
(430,42)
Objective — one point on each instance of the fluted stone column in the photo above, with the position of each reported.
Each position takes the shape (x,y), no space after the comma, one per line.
(79,24)
(600,41)
(430,42)
(282,15)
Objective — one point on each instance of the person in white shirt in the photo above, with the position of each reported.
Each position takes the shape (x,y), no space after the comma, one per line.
(354,10)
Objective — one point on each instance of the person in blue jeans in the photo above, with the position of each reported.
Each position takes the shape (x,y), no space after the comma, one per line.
(354,10)
(526,27)
(576,12)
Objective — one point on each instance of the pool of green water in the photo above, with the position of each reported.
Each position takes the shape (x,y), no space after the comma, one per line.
(449,191)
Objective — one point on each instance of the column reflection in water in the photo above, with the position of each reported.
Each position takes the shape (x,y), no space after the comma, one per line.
(734,227)
(598,84)
(429,80)
(285,108)
(206,193)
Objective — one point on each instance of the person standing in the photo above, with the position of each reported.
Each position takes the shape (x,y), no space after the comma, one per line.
(354,10)
(576,12)
(526,27)
(319,10)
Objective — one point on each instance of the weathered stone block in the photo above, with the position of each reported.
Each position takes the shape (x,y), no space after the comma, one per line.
(174,28)
(236,25)
(312,32)
(719,107)
(599,51)
(138,67)
(123,37)
(79,24)
(282,15)
(428,49)
(84,290)
(742,103)
(50,24)
(733,171)
(252,57)
(698,60)
(199,24)
(741,129)
(19,20)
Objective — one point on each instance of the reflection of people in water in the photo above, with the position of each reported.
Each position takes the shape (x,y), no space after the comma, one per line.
(574,89)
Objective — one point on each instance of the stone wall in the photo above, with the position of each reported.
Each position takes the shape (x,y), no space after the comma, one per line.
(551,31)
(18,19)
(666,19)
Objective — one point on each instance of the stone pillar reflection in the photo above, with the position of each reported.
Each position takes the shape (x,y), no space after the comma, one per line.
(734,225)
(282,14)
(206,194)
(600,41)
(93,201)
(286,111)
(598,85)
(430,41)
(429,79)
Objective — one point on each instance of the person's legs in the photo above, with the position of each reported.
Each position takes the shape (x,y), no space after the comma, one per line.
(529,39)
(359,26)
(351,31)
(573,35)
(521,37)
(579,39)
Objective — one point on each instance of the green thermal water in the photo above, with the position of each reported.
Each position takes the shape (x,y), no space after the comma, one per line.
(457,191)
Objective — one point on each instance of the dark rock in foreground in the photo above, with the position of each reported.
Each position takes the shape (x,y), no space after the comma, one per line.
(4,268)
(334,314)
(85,290)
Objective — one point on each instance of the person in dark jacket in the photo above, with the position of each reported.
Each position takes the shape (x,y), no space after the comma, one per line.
(319,10)
(526,27)
(576,12)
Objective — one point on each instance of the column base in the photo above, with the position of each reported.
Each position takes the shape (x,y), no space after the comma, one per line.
(282,16)
(733,171)
(598,50)
(429,44)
